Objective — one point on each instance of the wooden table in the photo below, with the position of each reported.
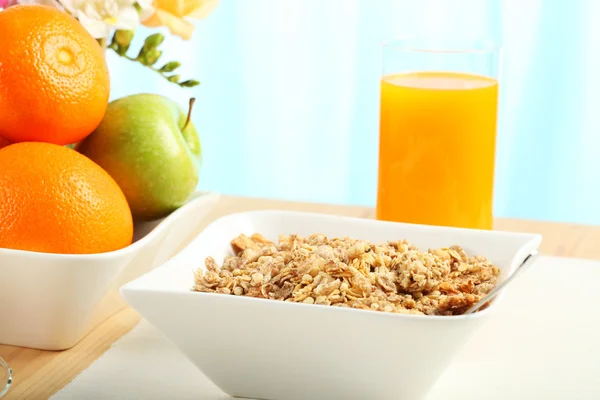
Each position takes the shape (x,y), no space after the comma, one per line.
(39,374)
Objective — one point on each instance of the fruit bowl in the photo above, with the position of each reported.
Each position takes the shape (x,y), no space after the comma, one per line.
(50,301)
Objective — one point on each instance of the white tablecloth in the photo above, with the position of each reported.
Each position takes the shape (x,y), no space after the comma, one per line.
(555,356)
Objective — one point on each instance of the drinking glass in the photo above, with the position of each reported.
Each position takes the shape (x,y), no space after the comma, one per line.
(5,377)
(437,133)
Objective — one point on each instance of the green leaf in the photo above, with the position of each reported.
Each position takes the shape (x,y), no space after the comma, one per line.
(151,57)
(170,66)
(173,78)
(189,83)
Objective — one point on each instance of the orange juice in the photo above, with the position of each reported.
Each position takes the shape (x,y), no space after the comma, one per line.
(436,149)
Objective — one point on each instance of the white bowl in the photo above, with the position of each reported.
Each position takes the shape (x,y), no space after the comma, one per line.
(50,301)
(268,349)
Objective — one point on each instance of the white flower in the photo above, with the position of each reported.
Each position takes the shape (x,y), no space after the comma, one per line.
(147,8)
(52,3)
(101,17)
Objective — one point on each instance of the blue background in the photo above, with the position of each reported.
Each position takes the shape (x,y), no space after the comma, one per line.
(288,105)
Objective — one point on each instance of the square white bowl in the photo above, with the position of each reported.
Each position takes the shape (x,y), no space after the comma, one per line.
(51,301)
(267,349)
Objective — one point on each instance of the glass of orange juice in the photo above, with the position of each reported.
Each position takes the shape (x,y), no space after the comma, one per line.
(437,132)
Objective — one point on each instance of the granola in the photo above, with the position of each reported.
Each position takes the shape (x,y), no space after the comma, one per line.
(344,272)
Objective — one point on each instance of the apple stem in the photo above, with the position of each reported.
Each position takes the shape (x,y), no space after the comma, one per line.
(189,116)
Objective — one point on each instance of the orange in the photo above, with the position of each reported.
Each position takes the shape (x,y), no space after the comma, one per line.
(55,200)
(54,83)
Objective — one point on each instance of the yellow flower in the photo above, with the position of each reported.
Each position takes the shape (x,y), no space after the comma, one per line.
(174,14)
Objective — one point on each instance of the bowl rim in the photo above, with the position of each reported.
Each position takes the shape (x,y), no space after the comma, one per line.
(487,232)
(196,197)
(533,243)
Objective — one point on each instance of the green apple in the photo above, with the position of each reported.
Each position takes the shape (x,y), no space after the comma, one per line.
(148,144)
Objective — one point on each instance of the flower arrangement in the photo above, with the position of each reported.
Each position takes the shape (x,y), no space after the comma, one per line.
(114,22)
